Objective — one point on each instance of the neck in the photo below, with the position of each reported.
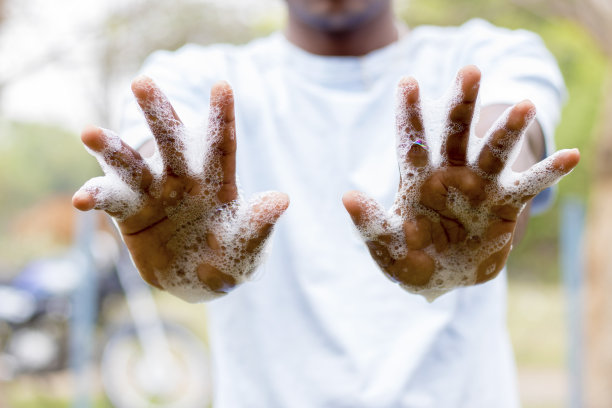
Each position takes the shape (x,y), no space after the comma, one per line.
(369,36)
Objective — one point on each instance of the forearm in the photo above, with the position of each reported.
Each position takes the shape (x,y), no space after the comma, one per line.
(531,152)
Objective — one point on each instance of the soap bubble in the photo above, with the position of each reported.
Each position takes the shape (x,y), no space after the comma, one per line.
(468,251)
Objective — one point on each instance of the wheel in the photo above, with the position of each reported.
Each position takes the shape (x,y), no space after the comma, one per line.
(132,381)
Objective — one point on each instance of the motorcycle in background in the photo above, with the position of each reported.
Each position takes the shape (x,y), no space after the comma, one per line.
(146,362)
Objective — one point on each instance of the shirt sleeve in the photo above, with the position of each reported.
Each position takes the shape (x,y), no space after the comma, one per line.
(515,66)
(185,76)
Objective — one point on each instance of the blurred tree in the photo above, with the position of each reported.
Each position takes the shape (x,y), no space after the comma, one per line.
(596,17)
(37,161)
(130,34)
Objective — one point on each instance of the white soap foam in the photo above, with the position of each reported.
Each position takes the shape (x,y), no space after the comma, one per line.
(113,195)
(208,232)
(458,264)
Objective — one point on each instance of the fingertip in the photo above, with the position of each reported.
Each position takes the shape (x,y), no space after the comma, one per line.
(351,200)
(571,157)
(409,89)
(222,89)
(265,212)
(83,201)
(469,78)
(222,95)
(141,86)
(280,201)
(357,205)
(284,200)
(408,82)
(93,137)
(222,85)
(268,208)
(470,72)
(525,105)
(521,115)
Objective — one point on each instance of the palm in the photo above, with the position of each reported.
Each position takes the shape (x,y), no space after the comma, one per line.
(453,219)
(180,215)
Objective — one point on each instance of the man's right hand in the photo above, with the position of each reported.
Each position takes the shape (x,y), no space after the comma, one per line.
(187,229)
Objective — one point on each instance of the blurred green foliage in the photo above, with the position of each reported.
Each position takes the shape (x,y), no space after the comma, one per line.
(36,161)
(584,68)
(134,32)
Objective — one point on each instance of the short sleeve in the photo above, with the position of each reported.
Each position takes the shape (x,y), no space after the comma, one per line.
(516,66)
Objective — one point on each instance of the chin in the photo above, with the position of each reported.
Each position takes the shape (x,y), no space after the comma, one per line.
(336,15)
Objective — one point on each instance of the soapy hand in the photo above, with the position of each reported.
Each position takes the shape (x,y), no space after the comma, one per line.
(455,213)
(180,214)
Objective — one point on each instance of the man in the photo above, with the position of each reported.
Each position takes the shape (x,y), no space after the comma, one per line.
(321,327)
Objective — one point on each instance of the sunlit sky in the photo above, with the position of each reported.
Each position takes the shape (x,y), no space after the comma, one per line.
(46,57)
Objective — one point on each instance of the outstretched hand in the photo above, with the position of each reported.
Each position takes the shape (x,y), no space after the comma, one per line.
(453,219)
(180,214)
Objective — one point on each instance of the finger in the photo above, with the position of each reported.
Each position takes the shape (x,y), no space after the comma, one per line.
(411,141)
(103,193)
(83,201)
(263,212)
(506,133)
(372,223)
(164,123)
(127,163)
(460,115)
(367,214)
(222,138)
(546,173)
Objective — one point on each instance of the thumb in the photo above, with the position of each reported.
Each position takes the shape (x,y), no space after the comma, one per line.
(367,214)
(263,212)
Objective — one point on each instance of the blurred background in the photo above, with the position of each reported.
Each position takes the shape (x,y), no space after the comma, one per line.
(67,63)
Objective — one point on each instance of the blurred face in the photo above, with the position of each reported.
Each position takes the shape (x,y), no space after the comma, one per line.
(336,15)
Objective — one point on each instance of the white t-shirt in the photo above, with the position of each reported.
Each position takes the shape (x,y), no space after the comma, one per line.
(322,326)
